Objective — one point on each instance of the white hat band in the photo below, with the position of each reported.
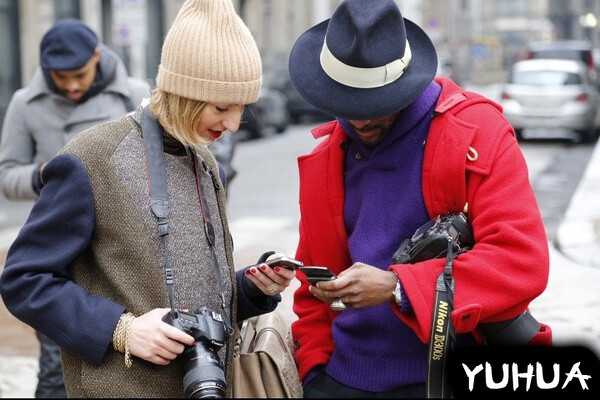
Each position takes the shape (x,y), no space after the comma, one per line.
(363,78)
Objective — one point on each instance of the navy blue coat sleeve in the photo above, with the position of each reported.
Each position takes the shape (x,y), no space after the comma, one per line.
(249,307)
(36,283)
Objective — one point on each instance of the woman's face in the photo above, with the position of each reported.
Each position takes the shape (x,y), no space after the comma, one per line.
(217,118)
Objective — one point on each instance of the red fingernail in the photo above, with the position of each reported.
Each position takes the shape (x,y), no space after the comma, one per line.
(247,272)
(277,269)
(263,267)
(253,270)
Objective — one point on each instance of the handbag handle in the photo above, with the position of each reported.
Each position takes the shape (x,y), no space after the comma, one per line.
(241,340)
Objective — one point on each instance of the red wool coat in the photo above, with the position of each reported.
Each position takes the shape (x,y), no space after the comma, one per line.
(471,157)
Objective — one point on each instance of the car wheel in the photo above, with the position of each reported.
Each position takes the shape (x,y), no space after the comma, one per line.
(588,135)
(250,124)
(519,134)
(257,132)
(284,124)
(255,126)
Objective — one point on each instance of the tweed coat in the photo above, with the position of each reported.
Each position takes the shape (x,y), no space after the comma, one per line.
(90,250)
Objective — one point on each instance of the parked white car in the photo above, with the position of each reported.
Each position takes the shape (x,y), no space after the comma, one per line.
(269,112)
(551,94)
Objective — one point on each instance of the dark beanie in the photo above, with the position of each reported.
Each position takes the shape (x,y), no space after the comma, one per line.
(67,46)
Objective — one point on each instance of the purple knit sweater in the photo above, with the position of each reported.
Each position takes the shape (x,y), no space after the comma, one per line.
(384,204)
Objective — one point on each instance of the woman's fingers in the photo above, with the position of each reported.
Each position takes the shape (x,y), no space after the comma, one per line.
(154,340)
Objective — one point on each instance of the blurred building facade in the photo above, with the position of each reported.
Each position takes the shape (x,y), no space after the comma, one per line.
(476,39)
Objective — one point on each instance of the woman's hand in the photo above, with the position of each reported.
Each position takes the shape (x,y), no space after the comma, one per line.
(154,340)
(270,280)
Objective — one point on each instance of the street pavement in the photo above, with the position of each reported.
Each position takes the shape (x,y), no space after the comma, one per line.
(570,304)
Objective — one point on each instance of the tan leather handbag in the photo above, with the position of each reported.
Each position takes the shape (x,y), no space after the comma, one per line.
(264,365)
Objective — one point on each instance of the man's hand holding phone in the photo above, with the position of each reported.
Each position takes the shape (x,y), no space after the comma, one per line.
(359,286)
(315,274)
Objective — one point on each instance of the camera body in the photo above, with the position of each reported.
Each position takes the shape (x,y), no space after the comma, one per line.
(204,375)
(431,239)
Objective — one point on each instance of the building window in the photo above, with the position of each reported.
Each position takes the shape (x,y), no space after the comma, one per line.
(66,9)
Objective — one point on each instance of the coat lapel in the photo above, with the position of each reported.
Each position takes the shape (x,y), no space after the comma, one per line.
(322,189)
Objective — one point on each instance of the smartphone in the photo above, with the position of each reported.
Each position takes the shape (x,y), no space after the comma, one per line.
(284,262)
(318,274)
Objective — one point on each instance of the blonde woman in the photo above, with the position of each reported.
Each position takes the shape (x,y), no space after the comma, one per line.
(129,240)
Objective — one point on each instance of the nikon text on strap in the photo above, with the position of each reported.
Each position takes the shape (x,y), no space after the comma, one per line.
(442,332)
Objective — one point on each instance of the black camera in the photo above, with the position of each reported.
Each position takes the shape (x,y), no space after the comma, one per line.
(204,375)
(431,239)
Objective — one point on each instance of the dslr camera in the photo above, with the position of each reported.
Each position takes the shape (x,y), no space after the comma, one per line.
(431,239)
(204,375)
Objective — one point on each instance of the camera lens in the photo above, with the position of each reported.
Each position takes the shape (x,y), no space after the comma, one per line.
(204,377)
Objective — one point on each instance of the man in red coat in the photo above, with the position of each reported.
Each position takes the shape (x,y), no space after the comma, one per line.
(404,148)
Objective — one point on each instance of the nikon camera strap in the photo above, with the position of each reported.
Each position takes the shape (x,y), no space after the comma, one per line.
(442,332)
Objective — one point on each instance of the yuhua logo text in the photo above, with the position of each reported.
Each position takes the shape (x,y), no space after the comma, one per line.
(526,375)
(501,372)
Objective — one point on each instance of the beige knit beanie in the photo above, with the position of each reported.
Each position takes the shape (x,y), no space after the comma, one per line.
(210,55)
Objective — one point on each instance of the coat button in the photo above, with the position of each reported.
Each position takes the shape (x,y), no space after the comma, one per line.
(358,156)
(297,344)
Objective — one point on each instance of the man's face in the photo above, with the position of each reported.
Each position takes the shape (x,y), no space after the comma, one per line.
(74,84)
(373,131)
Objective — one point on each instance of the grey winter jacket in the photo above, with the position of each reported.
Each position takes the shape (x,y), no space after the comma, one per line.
(39,122)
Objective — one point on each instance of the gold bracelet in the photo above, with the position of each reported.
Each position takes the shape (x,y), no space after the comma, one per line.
(117,335)
(128,361)
(121,336)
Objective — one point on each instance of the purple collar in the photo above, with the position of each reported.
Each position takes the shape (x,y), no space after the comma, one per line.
(407,118)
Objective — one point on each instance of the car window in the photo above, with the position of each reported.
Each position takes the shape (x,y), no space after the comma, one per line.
(565,54)
(543,78)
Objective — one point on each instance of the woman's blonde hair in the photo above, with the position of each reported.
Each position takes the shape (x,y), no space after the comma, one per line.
(178,116)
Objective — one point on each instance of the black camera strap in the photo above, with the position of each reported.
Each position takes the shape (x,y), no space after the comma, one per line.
(442,338)
(159,204)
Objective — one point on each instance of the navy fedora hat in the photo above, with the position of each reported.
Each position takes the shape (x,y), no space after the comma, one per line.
(67,46)
(365,62)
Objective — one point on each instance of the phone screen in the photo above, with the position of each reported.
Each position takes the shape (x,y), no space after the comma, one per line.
(284,262)
(317,274)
